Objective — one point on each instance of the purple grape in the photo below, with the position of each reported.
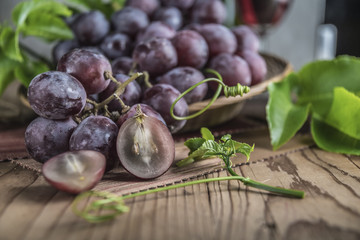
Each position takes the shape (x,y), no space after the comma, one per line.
(129,20)
(183,4)
(75,172)
(183,78)
(56,95)
(160,97)
(146,109)
(96,133)
(156,56)
(45,138)
(148,6)
(246,38)
(116,45)
(219,39)
(122,65)
(130,96)
(192,49)
(208,11)
(156,29)
(256,64)
(145,147)
(63,47)
(88,67)
(171,16)
(233,69)
(90,27)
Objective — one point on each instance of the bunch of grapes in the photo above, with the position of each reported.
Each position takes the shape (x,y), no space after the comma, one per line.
(96,112)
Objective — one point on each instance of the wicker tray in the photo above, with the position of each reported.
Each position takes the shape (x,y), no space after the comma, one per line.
(224,109)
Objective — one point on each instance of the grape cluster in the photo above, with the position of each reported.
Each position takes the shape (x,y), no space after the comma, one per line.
(94,100)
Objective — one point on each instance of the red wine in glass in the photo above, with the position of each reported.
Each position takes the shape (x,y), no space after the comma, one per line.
(261,15)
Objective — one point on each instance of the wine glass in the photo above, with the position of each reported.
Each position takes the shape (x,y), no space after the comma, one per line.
(261,15)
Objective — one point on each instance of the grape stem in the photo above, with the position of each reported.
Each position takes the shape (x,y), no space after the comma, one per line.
(233,91)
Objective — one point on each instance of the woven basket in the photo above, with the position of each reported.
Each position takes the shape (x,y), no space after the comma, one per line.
(224,109)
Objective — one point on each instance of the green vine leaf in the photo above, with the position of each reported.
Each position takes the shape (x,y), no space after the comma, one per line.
(9,43)
(7,67)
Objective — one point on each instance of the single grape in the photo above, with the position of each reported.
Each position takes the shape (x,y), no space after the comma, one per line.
(45,138)
(96,133)
(246,38)
(88,67)
(130,96)
(123,65)
(146,109)
(156,56)
(63,47)
(183,78)
(183,4)
(56,95)
(232,68)
(208,11)
(148,6)
(192,49)
(145,147)
(156,29)
(90,27)
(171,16)
(256,64)
(219,38)
(76,171)
(129,20)
(116,45)
(160,97)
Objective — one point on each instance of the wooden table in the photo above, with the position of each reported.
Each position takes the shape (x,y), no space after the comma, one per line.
(31,209)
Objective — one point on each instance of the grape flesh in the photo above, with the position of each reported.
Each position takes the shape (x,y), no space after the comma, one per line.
(45,138)
(246,38)
(63,47)
(116,45)
(90,27)
(129,20)
(96,133)
(192,49)
(122,65)
(88,67)
(232,68)
(171,16)
(145,109)
(56,95)
(148,6)
(156,56)
(256,64)
(156,29)
(76,171)
(208,11)
(219,38)
(183,78)
(145,147)
(160,97)
(130,96)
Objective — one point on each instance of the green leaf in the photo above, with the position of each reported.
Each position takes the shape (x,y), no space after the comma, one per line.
(317,80)
(206,134)
(332,140)
(194,143)
(7,67)
(9,43)
(244,149)
(46,26)
(26,72)
(284,117)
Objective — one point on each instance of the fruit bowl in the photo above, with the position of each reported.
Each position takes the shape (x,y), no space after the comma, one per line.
(224,109)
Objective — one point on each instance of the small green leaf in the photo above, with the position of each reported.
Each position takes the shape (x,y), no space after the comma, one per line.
(9,43)
(226,137)
(244,149)
(332,140)
(194,143)
(7,67)
(206,134)
(284,117)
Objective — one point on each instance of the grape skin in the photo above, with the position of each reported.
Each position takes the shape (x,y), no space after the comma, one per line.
(116,45)
(183,78)
(56,95)
(183,4)
(256,64)
(63,47)
(208,11)
(96,133)
(156,29)
(45,138)
(192,49)
(88,67)
(129,20)
(122,65)
(171,16)
(148,6)
(246,38)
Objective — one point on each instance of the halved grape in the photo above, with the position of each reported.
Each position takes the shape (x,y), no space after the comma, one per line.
(75,171)
(145,147)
